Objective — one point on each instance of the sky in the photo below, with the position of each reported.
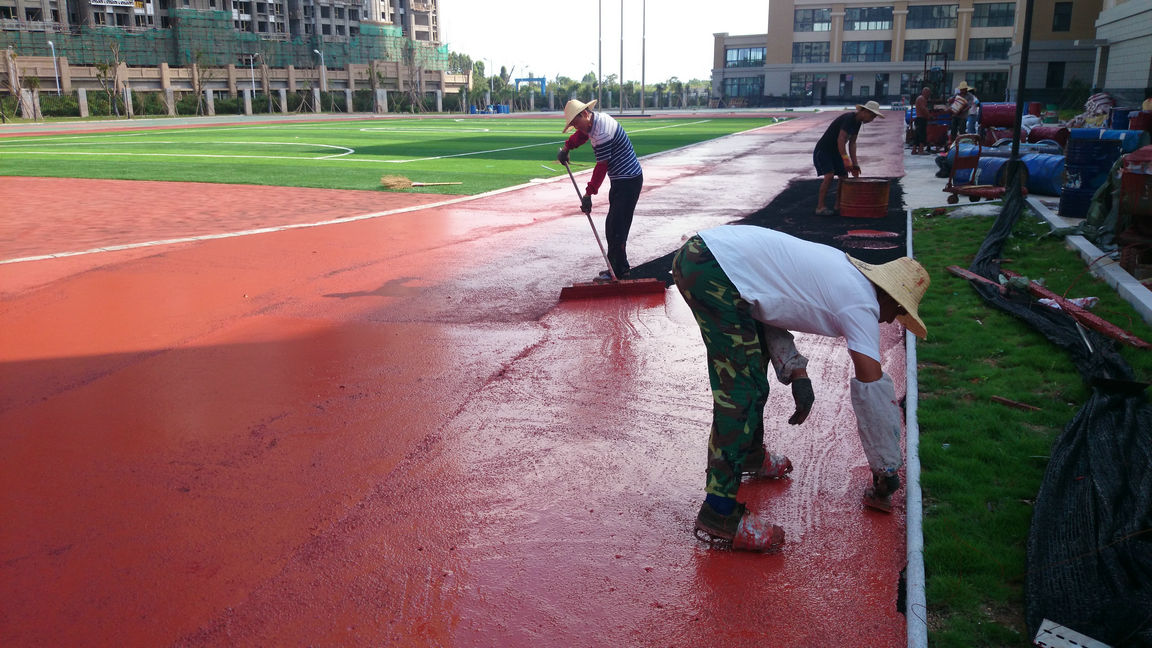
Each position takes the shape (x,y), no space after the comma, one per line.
(551,39)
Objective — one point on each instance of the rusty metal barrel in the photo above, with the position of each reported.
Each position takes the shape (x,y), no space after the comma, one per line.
(863,197)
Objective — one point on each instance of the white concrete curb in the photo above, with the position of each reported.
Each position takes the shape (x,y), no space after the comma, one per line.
(1102,265)
(915,599)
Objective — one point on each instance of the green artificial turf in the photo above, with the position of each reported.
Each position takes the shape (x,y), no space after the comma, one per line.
(983,462)
(480,154)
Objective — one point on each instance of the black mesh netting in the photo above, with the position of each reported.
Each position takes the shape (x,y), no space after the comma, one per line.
(1090,544)
(875,240)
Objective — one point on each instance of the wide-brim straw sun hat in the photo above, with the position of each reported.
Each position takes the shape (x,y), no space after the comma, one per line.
(905,280)
(572,108)
(872,107)
(963,86)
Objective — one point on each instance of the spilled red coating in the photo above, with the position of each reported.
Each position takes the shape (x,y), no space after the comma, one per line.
(390,432)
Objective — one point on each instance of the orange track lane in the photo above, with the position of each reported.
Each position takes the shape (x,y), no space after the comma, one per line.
(388,431)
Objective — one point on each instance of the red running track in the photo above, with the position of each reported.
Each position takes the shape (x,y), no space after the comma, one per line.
(389,432)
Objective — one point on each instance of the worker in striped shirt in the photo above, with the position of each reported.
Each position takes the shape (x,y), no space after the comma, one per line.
(614,158)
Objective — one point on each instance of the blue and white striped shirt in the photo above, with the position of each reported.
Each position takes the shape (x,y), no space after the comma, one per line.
(611,145)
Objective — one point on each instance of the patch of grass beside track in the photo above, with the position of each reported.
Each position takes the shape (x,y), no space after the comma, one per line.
(481,154)
(983,462)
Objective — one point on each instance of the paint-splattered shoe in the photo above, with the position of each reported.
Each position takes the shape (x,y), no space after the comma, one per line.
(761,464)
(740,530)
(878,496)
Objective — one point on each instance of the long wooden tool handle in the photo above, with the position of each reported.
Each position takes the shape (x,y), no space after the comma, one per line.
(574,185)
(611,272)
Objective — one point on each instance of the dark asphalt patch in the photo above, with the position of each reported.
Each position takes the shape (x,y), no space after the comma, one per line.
(793,212)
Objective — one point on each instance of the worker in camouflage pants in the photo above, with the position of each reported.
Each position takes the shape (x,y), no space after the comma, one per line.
(748,287)
(739,351)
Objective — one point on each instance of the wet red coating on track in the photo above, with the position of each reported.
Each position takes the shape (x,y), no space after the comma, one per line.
(389,432)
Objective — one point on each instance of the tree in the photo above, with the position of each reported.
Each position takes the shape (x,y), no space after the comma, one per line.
(107,74)
(459,63)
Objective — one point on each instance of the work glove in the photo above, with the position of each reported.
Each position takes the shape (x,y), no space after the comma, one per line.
(802,394)
(562,156)
(586,204)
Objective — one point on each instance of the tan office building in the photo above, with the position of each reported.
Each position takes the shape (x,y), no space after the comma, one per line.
(815,52)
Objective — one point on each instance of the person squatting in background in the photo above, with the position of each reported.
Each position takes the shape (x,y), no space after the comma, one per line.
(614,158)
(749,286)
(835,153)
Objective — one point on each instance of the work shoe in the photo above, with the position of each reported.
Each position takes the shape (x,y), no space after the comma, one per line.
(878,496)
(824,211)
(603,277)
(739,530)
(761,464)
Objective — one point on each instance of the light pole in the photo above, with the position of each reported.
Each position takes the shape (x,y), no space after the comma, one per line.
(252,71)
(55,67)
(323,72)
(488,73)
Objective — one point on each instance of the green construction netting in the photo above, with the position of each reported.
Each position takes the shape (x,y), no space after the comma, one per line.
(209,37)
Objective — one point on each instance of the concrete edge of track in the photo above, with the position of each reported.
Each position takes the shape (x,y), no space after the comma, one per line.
(915,599)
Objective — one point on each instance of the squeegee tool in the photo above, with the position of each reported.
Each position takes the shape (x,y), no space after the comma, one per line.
(614,287)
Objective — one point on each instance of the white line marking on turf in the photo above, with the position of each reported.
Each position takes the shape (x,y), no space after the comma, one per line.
(262,230)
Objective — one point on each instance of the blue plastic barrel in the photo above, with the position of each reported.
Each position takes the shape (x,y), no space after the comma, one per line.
(1084,133)
(1045,173)
(1130,140)
(1119,118)
(991,170)
(1087,163)
(1074,203)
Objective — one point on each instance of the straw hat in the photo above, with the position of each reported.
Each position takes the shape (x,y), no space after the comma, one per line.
(963,86)
(872,107)
(905,280)
(573,108)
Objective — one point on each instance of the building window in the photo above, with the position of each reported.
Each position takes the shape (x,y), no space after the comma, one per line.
(1062,17)
(810,52)
(989,85)
(994,14)
(1055,77)
(916,50)
(812,20)
(866,51)
(989,49)
(932,17)
(807,85)
(867,18)
(745,57)
(881,85)
(744,87)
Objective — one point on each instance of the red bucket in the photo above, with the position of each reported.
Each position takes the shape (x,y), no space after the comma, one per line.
(863,197)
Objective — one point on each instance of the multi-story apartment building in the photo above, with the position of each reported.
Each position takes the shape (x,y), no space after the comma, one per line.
(273,19)
(856,49)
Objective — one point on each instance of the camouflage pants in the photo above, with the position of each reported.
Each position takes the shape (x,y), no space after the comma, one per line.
(737,363)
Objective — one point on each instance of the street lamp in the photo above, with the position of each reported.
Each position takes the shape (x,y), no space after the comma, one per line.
(252,71)
(323,71)
(55,66)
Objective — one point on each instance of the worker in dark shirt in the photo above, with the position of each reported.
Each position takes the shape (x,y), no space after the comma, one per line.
(835,153)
